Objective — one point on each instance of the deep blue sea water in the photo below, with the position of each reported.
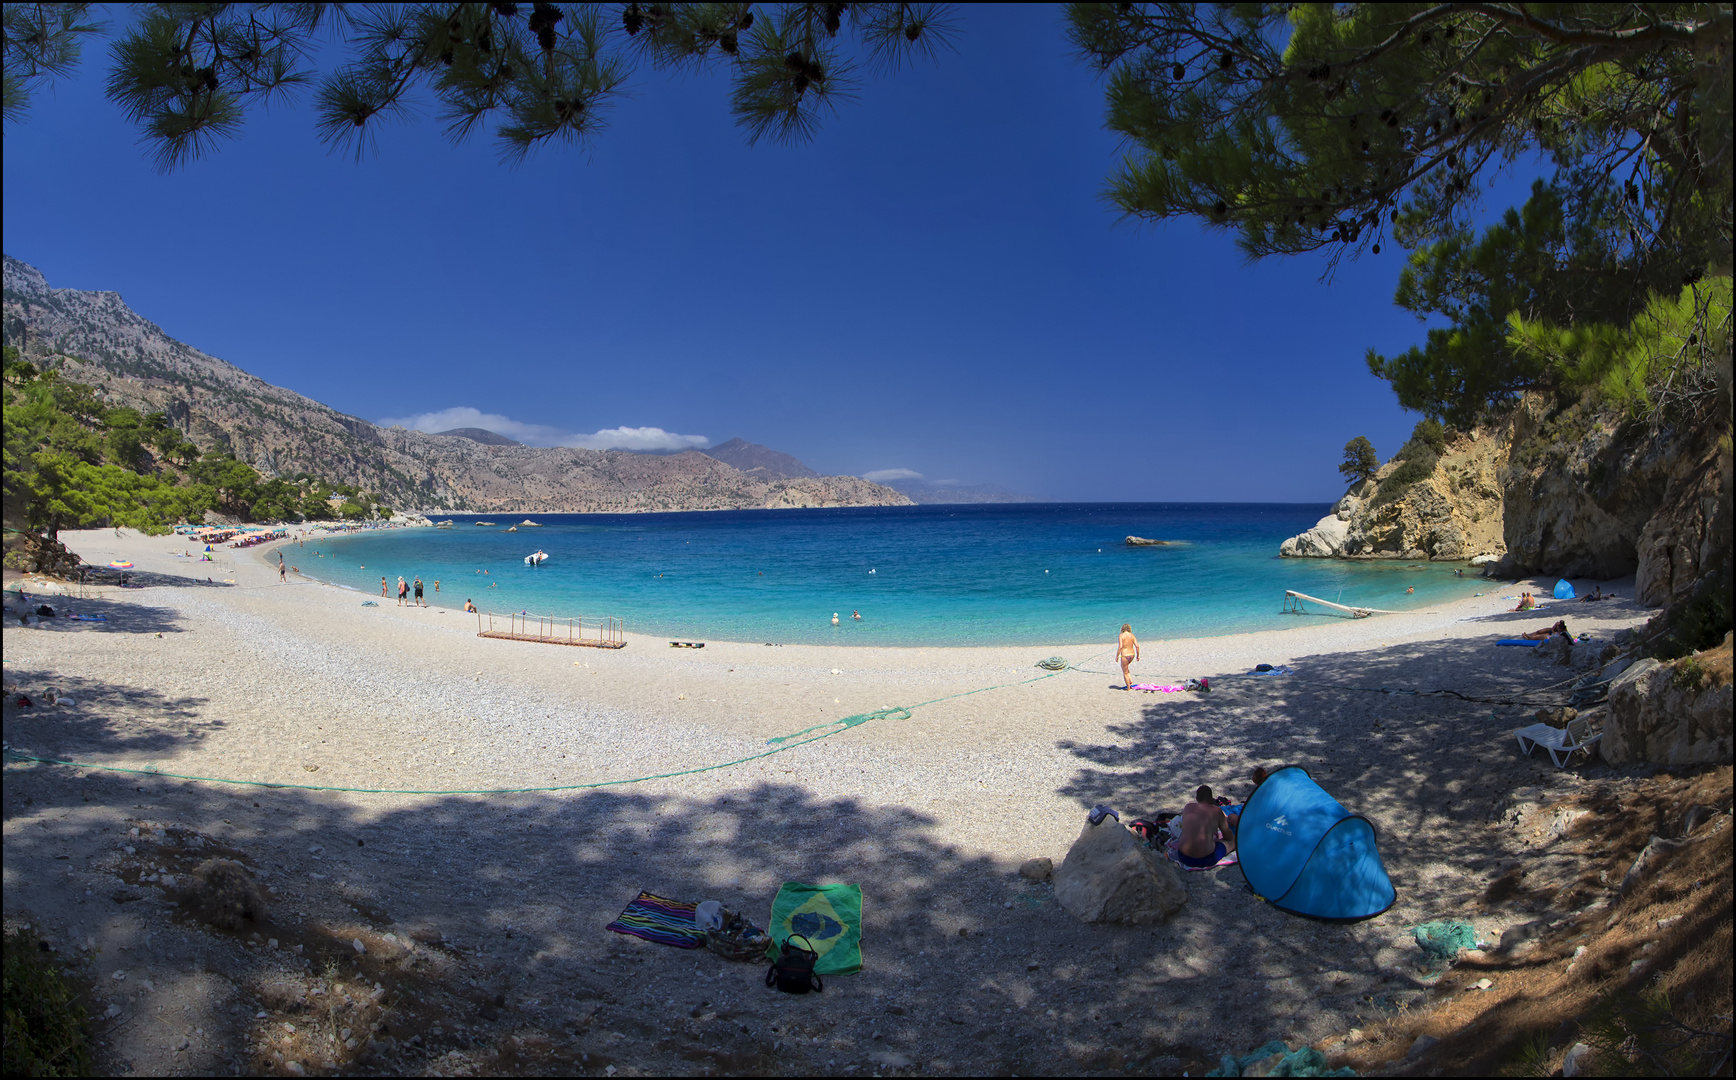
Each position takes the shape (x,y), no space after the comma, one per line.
(922,575)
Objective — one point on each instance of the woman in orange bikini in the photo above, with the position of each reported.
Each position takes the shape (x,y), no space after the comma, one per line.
(1128,650)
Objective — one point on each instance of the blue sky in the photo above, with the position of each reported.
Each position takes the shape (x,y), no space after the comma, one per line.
(933,284)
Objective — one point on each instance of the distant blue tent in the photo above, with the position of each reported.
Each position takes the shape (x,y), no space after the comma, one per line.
(1305,854)
(1564,589)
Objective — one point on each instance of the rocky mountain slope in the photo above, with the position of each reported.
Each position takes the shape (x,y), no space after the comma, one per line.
(96,338)
(760,461)
(1573,490)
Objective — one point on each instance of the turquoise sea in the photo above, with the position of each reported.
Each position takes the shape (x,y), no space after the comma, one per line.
(1025,574)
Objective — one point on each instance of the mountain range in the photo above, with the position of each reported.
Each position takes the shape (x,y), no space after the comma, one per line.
(95,338)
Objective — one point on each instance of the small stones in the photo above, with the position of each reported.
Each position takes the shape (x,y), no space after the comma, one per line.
(119,976)
(1039,869)
(356,944)
(112,1011)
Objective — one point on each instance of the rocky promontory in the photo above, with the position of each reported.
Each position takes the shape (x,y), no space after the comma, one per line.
(1575,490)
(1453,513)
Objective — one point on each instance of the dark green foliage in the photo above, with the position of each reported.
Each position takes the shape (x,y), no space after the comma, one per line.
(73,462)
(1417,459)
(1333,126)
(1427,435)
(1420,466)
(186,74)
(1695,623)
(45,1022)
(1639,1034)
(1360,460)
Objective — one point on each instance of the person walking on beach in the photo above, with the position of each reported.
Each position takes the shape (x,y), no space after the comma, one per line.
(282,574)
(382,588)
(1127,651)
(403,591)
(419,601)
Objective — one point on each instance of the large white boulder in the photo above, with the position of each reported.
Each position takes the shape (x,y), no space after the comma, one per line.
(1324,541)
(1109,876)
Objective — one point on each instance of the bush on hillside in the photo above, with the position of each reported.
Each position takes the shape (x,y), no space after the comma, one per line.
(45,1032)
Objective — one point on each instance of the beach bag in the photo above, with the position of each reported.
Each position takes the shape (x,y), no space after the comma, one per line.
(736,938)
(793,970)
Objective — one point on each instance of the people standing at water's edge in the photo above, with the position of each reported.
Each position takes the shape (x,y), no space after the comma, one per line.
(1127,651)
(282,574)
(403,591)
(419,601)
(382,587)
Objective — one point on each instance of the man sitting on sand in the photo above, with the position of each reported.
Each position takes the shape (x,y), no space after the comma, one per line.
(1206,836)
(1526,602)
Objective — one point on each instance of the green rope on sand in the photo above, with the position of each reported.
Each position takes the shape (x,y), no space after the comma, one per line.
(778,745)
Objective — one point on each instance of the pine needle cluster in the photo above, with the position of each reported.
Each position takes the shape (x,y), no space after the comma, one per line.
(187,74)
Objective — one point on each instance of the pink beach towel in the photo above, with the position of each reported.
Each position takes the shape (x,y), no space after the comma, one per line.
(1153,688)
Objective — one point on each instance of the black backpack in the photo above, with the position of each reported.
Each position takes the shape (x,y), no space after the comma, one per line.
(793,970)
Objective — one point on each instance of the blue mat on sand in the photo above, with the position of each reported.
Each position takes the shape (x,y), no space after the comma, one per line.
(1521,642)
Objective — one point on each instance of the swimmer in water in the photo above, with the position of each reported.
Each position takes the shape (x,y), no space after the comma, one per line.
(834,618)
(857,615)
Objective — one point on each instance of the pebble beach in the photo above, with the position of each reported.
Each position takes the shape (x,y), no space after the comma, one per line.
(512,797)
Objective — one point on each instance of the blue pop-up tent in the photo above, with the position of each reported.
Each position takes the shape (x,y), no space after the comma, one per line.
(1563,589)
(1304,853)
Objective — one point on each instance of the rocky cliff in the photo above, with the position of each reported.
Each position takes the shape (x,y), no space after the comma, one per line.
(1558,489)
(96,338)
(1453,513)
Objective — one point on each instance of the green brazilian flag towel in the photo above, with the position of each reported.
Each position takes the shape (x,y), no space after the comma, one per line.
(828,916)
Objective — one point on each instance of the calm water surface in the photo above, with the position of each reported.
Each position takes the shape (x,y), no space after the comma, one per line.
(923,575)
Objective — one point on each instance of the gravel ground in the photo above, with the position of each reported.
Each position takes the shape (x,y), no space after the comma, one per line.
(969,968)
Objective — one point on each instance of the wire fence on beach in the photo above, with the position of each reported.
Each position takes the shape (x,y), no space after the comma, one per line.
(604,633)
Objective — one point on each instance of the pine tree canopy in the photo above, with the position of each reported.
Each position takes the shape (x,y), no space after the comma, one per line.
(1336,126)
(186,74)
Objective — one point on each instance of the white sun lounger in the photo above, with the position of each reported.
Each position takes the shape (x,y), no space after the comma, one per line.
(1561,743)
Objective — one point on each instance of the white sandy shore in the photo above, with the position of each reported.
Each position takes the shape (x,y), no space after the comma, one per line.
(247,679)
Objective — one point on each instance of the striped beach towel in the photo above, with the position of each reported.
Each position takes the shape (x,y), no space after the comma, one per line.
(667,922)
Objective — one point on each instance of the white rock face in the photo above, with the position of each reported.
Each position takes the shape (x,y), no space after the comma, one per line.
(1324,541)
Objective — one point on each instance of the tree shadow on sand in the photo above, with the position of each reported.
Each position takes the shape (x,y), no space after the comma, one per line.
(105,717)
(101,615)
(496,909)
(1430,772)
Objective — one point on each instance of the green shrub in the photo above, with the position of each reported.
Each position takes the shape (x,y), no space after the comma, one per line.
(1419,466)
(45,1030)
(1689,675)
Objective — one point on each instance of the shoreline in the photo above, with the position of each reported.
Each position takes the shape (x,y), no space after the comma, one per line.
(1538,585)
(931,811)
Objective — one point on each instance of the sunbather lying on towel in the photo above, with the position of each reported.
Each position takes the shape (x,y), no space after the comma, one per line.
(1560,627)
(1206,835)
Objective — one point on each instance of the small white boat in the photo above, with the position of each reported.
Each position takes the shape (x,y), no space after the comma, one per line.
(536,558)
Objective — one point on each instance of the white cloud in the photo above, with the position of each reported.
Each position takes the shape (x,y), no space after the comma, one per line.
(881,476)
(618,438)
